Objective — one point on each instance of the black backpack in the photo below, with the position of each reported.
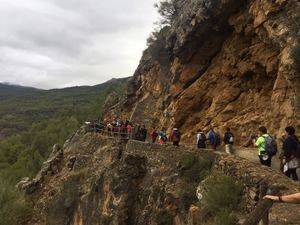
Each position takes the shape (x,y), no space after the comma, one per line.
(217,139)
(270,146)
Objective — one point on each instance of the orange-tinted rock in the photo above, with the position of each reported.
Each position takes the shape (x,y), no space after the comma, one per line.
(230,67)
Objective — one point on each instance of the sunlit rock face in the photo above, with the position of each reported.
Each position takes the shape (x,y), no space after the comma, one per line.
(222,63)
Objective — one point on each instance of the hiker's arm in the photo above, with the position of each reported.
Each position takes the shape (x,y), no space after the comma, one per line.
(294,198)
(258,142)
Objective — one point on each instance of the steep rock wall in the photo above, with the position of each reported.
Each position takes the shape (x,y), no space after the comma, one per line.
(222,63)
(103,181)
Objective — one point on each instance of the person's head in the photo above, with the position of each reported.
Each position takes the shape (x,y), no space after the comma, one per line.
(263,130)
(228,129)
(290,130)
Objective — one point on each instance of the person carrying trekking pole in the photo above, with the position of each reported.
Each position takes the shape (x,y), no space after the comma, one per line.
(267,147)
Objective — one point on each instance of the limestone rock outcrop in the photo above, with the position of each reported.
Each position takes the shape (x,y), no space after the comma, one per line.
(137,183)
(221,63)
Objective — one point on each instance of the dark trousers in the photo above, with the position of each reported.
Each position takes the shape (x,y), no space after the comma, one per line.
(267,162)
(292,173)
(176,143)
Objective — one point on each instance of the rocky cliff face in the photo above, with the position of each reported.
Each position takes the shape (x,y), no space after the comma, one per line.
(96,180)
(221,63)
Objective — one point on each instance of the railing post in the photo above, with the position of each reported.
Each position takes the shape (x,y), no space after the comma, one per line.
(262,208)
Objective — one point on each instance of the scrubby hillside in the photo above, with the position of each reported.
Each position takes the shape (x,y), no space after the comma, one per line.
(220,63)
(20,107)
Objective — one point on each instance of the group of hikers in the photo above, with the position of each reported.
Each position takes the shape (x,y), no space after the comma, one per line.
(265,143)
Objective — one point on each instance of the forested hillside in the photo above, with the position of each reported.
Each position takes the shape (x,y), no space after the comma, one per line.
(20,107)
(31,122)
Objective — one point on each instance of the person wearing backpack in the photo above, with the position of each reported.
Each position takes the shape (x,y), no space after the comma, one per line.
(143,133)
(267,147)
(201,139)
(228,141)
(217,139)
(162,137)
(212,139)
(175,137)
(154,135)
(291,153)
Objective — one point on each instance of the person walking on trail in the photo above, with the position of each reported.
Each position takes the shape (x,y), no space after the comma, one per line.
(217,139)
(175,137)
(228,141)
(136,132)
(293,198)
(201,139)
(291,153)
(212,139)
(154,135)
(143,133)
(162,137)
(129,128)
(267,147)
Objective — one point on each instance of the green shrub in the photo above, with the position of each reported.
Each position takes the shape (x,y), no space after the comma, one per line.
(187,195)
(222,194)
(13,208)
(194,168)
(164,217)
(225,217)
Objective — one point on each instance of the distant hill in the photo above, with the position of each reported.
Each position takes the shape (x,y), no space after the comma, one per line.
(7,89)
(20,106)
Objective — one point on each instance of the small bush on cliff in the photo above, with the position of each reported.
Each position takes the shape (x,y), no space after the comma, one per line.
(169,10)
(187,195)
(194,168)
(13,208)
(222,193)
(225,218)
(222,198)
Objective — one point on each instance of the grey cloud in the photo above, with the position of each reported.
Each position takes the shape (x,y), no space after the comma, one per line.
(57,43)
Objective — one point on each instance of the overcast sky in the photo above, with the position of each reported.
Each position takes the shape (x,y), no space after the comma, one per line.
(59,43)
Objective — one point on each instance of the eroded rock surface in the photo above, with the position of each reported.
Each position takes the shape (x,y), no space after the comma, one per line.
(136,183)
(222,63)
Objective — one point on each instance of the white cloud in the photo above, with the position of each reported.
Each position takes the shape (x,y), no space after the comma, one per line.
(58,43)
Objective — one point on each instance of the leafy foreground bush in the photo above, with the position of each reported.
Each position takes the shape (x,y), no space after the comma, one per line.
(193,170)
(222,198)
(13,208)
